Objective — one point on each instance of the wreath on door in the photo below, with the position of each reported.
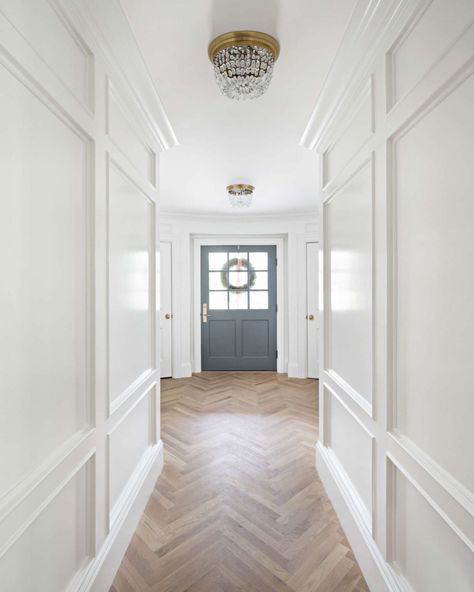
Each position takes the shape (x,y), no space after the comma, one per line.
(242,265)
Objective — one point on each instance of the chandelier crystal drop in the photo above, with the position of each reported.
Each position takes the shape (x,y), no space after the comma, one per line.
(243,63)
(240,196)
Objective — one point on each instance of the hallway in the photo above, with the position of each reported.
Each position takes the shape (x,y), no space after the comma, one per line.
(239,505)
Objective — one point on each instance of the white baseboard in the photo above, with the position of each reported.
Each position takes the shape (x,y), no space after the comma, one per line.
(379,575)
(293,371)
(102,569)
(297,371)
(183,371)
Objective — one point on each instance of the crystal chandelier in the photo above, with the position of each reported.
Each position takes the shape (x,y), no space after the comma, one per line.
(240,196)
(243,63)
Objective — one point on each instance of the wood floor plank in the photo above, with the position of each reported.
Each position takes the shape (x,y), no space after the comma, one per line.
(239,505)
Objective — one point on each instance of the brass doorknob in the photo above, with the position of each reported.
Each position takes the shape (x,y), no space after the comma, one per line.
(168,316)
(310,317)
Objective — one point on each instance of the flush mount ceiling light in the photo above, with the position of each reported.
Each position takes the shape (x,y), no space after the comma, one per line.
(243,63)
(240,196)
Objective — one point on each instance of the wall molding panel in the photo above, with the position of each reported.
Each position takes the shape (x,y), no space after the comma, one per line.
(419,58)
(82,129)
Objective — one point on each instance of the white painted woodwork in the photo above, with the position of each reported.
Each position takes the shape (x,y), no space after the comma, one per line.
(44,251)
(348,225)
(422,540)
(128,137)
(396,449)
(312,308)
(351,442)
(355,130)
(130,257)
(128,442)
(166,307)
(79,404)
(434,280)
(56,542)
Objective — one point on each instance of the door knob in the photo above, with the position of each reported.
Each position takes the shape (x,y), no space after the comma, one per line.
(168,316)
(310,317)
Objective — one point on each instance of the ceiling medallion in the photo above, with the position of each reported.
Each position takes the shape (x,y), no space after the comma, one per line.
(240,196)
(243,63)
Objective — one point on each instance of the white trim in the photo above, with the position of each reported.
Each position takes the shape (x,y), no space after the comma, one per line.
(198,242)
(380,576)
(101,572)
(113,35)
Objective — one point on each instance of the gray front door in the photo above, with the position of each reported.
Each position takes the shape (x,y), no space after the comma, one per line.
(238,308)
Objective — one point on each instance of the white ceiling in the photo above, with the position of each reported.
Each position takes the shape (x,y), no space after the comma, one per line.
(223,141)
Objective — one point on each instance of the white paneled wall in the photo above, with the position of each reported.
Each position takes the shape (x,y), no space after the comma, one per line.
(394,130)
(79,406)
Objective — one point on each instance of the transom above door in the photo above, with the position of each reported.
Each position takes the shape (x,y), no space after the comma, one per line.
(238,307)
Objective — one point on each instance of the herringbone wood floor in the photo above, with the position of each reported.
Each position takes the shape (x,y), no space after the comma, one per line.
(239,505)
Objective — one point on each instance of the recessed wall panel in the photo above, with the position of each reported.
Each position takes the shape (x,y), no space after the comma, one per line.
(429,38)
(54,545)
(352,445)
(434,178)
(127,444)
(348,229)
(53,37)
(44,175)
(130,252)
(429,554)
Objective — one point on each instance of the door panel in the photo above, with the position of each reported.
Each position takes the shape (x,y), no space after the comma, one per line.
(165,311)
(238,287)
(312,317)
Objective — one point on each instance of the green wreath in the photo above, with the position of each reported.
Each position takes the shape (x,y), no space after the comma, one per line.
(252,275)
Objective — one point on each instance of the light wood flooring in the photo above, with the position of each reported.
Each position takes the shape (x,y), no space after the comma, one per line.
(239,505)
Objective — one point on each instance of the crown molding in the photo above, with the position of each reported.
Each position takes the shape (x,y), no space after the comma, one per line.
(369,27)
(111,31)
(306,215)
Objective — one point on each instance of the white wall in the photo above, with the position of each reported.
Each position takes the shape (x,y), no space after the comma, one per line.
(294,231)
(79,418)
(394,132)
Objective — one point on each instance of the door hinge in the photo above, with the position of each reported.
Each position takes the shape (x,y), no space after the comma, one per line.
(276,261)
(276,354)
(276,307)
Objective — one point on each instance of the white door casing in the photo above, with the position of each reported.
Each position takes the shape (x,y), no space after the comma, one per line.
(166,314)
(312,312)
(394,130)
(79,399)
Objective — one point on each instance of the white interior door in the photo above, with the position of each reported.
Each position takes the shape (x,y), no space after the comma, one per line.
(312,320)
(165,311)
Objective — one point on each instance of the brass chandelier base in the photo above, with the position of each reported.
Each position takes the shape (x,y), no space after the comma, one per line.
(251,38)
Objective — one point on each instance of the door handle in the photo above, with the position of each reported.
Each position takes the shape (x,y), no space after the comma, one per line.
(310,317)
(204,314)
(168,316)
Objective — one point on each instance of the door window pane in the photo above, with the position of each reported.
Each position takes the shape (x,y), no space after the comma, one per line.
(215,281)
(261,281)
(258,300)
(218,300)
(217,260)
(259,260)
(238,300)
(239,259)
(238,279)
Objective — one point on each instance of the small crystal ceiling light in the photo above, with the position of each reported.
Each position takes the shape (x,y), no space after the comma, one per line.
(243,63)
(240,196)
